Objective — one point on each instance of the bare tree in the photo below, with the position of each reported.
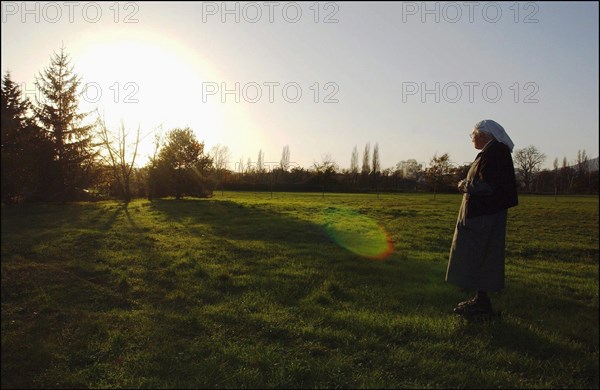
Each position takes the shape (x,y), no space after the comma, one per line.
(354,161)
(220,155)
(284,163)
(529,161)
(116,147)
(354,166)
(555,166)
(567,174)
(260,162)
(241,165)
(153,164)
(376,163)
(365,163)
(376,168)
(582,169)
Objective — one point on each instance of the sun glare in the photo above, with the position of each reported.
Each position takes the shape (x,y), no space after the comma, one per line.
(147,79)
(144,81)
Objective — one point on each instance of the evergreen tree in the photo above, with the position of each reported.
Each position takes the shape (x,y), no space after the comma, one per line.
(25,149)
(58,114)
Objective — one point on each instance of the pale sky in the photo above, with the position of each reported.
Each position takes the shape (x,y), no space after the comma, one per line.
(412,76)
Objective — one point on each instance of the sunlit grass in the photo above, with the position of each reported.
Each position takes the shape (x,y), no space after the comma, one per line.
(249,290)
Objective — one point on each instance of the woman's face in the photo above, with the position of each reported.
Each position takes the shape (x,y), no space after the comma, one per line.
(479,139)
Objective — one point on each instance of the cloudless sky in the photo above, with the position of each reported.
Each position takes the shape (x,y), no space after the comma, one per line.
(531,66)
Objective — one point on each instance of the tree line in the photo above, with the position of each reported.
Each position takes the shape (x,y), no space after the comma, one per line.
(53,152)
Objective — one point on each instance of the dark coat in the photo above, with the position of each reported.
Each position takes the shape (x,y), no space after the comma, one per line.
(493,171)
(477,253)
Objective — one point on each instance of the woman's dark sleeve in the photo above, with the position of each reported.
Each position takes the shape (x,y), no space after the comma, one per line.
(496,173)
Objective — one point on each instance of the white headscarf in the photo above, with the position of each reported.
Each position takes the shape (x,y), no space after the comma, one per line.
(489,126)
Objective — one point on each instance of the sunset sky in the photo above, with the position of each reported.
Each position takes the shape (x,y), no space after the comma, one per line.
(325,77)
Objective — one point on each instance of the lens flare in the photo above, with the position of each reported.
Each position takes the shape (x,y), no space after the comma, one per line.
(357,233)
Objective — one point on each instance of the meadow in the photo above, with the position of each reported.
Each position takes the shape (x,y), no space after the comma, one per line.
(291,290)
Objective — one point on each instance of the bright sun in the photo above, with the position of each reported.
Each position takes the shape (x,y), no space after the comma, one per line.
(144,80)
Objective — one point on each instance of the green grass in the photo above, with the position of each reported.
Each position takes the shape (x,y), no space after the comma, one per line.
(247,291)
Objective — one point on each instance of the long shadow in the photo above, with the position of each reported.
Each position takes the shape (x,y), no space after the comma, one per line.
(295,265)
(335,278)
(338,280)
(308,247)
(240,222)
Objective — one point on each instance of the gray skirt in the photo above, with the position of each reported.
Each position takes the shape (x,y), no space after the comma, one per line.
(477,253)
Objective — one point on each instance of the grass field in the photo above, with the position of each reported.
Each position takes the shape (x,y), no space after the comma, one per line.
(245,290)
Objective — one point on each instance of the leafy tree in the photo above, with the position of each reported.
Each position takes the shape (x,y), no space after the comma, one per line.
(325,171)
(182,165)
(529,161)
(439,172)
(58,114)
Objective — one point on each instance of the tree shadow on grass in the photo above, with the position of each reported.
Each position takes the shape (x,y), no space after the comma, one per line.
(296,268)
(264,278)
(240,222)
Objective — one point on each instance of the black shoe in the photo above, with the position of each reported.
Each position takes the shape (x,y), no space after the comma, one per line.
(475,308)
(467,302)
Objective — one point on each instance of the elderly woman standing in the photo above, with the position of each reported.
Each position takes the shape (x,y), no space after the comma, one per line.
(477,253)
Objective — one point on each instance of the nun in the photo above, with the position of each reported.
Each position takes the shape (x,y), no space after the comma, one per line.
(476,260)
